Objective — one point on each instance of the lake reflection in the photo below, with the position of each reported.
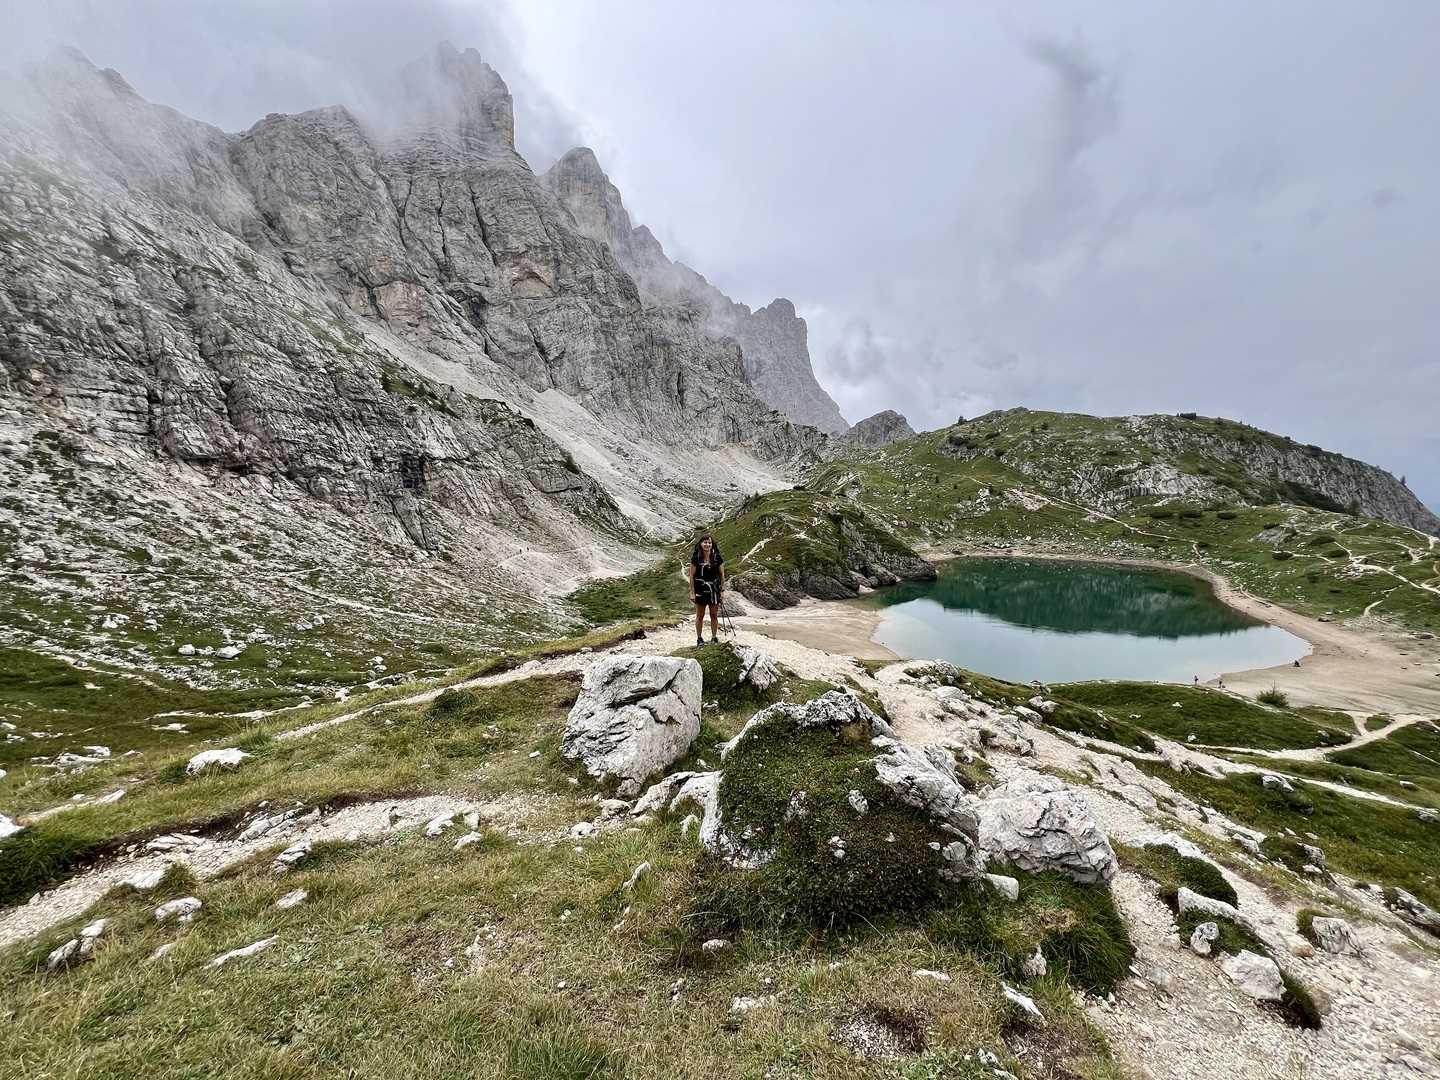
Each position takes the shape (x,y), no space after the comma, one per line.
(1026,619)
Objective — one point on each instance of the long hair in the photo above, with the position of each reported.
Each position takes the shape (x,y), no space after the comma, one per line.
(695,555)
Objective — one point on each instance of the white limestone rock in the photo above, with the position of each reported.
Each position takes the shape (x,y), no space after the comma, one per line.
(757,667)
(227,758)
(1204,936)
(1255,975)
(292,856)
(182,910)
(242,953)
(1041,824)
(635,716)
(1334,935)
(292,899)
(1005,885)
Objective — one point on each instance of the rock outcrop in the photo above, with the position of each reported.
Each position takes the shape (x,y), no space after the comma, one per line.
(773,339)
(395,335)
(636,715)
(1040,825)
(879,430)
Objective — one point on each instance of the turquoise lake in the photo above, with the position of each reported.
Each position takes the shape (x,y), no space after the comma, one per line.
(1040,619)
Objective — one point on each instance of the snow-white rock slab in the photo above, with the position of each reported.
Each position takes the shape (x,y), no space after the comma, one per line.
(227,758)
(292,899)
(636,716)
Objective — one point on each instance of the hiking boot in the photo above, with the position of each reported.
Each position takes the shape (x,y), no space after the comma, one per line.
(699,641)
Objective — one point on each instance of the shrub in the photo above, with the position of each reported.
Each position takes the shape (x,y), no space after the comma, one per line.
(1274,696)
(1161,515)
(1226,515)
(1281,556)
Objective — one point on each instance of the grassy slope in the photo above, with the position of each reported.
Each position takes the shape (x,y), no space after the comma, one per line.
(371,976)
(935,497)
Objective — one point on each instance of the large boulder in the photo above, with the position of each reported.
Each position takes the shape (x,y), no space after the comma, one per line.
(636,715)
(1041,824)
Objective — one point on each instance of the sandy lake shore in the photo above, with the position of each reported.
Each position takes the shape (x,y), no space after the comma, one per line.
(1349,667)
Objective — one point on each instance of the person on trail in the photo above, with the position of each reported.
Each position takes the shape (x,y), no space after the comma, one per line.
(707,582)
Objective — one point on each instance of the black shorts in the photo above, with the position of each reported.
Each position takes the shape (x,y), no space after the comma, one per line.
(706,595)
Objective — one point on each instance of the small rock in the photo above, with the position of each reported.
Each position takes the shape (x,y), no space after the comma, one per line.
(582,829)
(184,909)
(227,758)
(438,825)
(1270,780)
(292,855)
(1255,975)
(1026,1003)
(640,871)
(8,827)
(162,950)
(63,955)
(1204,936)
(1034,966)
(186,650)
(467,840)
(1334,935)
(240,954)
(857,802)
(229,652)
(291,899)
(739,1006)
(714,945)
(145,880)
(1005,885)
(926,973)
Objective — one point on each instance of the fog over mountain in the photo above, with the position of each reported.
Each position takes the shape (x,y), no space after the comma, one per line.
(1112,207)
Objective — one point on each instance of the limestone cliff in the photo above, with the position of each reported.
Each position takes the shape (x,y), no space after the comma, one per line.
(882,429)
(395,334)
(773,339)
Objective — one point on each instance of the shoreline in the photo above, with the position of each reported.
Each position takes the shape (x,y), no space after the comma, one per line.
(1348,668)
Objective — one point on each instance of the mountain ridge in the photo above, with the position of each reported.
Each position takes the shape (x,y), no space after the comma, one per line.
(773,338)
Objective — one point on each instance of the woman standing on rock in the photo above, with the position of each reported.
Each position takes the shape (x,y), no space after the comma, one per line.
(707,582)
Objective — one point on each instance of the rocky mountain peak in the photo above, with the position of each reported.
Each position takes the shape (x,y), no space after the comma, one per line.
(457,97)
(882,429)
(773,339)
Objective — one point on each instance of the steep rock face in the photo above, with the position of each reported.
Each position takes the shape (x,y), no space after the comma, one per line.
(1348,483)
(773,339)
(882,429)
(380,346)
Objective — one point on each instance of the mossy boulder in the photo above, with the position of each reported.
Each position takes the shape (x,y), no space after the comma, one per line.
(828,817)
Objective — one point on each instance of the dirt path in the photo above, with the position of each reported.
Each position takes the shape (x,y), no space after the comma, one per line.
(207,858)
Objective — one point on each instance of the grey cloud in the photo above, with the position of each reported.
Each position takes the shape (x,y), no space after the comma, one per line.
(232,63)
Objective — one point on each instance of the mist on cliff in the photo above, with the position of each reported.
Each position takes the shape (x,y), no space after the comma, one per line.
(1104,207)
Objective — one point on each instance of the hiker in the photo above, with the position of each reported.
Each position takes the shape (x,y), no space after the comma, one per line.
(707,582)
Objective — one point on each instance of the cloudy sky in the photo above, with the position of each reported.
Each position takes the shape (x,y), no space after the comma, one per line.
(1105,207)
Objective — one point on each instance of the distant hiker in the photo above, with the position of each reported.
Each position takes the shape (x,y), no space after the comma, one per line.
(1197,680)
(707,582)
(1297,663)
